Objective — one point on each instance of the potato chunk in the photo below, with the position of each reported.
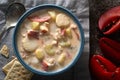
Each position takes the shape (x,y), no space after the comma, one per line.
(62,20)
(44,27)
(52,14)
(49,50)
(29,44)
(39,54)
(35,25)
(61,58)
(65,44)
(68,32)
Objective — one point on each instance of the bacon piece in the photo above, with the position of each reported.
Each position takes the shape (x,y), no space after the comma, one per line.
(39,19)
(33,34)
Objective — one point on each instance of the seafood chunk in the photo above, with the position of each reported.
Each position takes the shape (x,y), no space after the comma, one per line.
(110,49)
(109,21)
(48,63)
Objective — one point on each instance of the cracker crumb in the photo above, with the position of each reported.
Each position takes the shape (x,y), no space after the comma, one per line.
(4,51)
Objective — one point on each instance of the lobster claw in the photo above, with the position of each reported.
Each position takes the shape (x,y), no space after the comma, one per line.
(101,68)
(109,22)
(110,49)
(116,74)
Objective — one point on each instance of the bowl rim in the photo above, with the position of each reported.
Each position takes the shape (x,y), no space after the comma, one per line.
(40,7)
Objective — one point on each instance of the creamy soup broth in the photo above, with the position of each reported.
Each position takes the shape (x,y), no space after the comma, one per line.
(48,40)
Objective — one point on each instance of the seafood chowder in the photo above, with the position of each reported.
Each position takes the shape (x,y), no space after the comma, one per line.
(48,40)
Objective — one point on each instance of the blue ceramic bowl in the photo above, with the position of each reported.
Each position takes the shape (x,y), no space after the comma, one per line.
(24,16)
